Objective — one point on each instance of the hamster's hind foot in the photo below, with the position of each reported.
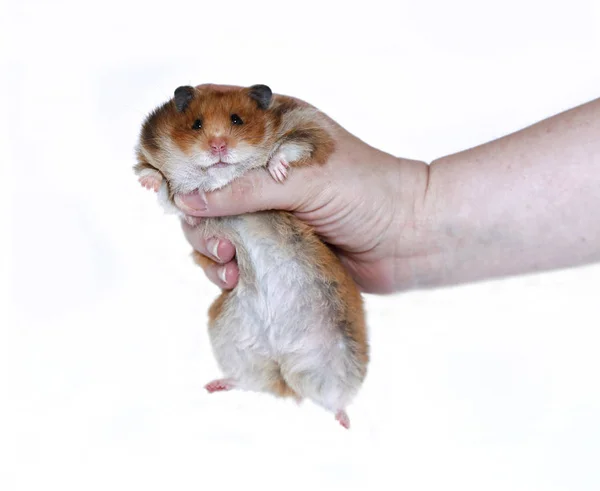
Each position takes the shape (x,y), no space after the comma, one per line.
(343,419)
(220,385)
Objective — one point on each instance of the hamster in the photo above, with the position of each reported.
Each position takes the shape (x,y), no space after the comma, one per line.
(294,325)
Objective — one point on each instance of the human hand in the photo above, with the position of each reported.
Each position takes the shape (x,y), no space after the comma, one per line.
(363,202)
(495,210)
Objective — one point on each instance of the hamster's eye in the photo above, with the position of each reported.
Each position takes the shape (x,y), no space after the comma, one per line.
(197,124)
(235,119)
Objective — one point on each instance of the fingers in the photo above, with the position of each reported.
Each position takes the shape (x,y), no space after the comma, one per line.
(219,250)
(215,256)
(229,88)
(219,87)
(255,191)
(223,275)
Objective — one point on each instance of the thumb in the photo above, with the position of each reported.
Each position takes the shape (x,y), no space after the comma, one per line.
(255,191)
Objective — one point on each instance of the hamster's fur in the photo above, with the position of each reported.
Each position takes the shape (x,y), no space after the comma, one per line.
(294,325)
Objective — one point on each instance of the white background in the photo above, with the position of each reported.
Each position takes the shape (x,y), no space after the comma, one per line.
(490,386)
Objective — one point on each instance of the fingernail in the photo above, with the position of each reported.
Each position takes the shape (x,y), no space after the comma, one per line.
(213,246)
(222,274)
(192,202)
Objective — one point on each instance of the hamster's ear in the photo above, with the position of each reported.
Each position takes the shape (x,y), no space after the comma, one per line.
(261,94)
(183,96)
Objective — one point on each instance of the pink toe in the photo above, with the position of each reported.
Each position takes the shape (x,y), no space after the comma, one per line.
(343,419)
(218,385)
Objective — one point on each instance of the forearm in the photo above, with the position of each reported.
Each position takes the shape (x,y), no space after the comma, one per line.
(527,202)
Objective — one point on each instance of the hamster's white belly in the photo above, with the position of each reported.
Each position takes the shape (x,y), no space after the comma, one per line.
(278,322)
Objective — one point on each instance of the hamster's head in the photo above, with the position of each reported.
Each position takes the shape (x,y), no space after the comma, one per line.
(205,137)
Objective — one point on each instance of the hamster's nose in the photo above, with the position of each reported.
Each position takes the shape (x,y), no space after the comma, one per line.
(218,145)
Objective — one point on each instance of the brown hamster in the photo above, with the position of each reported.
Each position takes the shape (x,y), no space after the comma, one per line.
(294,325)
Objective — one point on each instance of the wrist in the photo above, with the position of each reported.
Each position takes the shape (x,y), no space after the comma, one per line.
(462,235)
(423,254)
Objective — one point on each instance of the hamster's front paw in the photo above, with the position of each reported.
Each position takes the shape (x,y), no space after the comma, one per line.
(151,179)
(278,167)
